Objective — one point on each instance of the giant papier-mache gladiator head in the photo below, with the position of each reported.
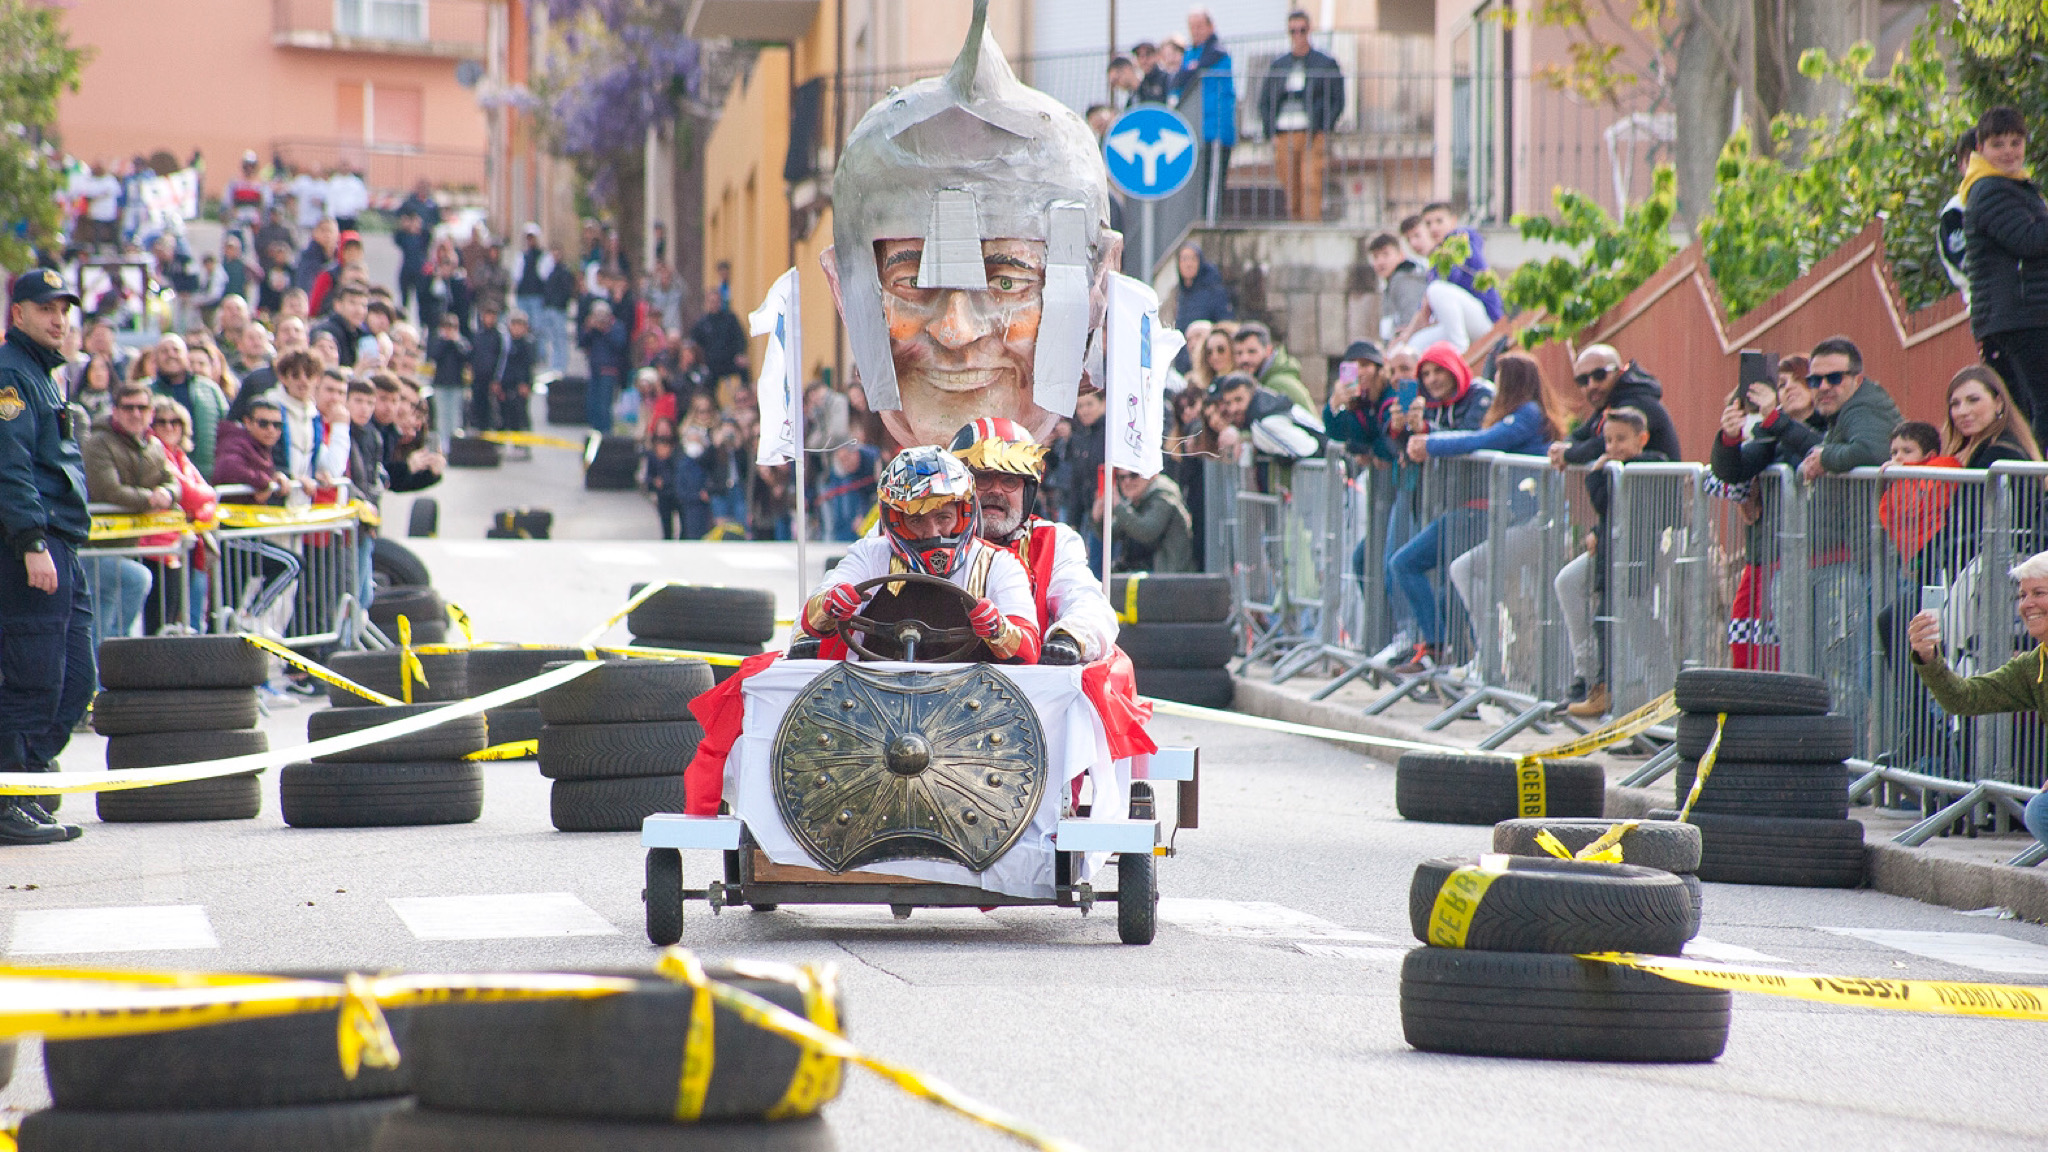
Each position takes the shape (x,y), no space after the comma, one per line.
(971,248)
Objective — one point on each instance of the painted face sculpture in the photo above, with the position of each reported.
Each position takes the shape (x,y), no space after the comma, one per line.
(971,249)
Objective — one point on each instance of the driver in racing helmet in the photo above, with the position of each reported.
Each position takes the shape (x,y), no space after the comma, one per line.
(928,526)
(1008,465)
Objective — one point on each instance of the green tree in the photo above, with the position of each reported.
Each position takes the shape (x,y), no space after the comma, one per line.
(1611,258)
(1888,153)
(2002,58)
(37,64)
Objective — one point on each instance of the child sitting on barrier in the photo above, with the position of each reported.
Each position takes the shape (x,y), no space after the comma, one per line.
(1581,585)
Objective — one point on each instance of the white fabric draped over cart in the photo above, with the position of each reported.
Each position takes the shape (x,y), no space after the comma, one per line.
(1075,743)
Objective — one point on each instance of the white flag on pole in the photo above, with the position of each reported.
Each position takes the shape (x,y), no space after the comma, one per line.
(779,389)
(1140,353)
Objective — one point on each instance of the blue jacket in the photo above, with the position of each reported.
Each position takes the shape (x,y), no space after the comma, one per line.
(42,472)
(608,350)
(1209,65)
(1520,432)
(1208,298)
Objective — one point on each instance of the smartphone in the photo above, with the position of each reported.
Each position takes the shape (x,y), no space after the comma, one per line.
(1756,368)
(1933,597)
(1405,393)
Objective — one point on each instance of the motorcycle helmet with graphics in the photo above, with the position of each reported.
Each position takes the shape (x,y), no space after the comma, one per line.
(1001,445)
(919,481)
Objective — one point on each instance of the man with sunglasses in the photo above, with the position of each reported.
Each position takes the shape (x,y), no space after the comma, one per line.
(1607,383)
(1859,412)
(45,611)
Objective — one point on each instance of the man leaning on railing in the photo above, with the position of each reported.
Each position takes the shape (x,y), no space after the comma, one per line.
(2021,685)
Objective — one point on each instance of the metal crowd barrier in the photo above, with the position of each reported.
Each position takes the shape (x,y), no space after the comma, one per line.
(294,574)
(1826,575)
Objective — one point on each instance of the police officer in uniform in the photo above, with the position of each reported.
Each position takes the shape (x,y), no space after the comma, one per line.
(46,656)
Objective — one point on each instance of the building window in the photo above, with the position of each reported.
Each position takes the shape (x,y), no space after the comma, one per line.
(381,19)
(386,116)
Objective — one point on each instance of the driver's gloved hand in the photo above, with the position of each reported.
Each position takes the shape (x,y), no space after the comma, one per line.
(986,619)
(1060,648)
(804,648)
(841,602)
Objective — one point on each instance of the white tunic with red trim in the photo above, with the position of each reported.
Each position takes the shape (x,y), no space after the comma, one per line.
(1067,595)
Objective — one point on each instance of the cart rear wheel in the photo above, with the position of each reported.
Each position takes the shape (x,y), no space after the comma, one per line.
(764,907)
(1137,898)
(664,896)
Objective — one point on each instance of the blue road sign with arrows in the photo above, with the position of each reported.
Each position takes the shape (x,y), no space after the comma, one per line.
(1150,151)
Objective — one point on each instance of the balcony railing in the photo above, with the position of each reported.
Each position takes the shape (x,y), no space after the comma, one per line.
(452,29)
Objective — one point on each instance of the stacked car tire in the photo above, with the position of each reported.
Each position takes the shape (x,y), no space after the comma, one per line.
(1665,845)
(1774,808)
(566,400)
(423,608)
(550,1075)
(1487,788)
(410,780)
(266,1083)
(611,463)
(1176,630)
(1500,973)
(474,452)
(704,618)
(180,700)
(615,743)
(493,668)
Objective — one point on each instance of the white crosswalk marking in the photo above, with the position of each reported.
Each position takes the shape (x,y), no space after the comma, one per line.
(1985,951)
(1256,920)
(1702,948)
(161,928)
(502,917)
(1351,952)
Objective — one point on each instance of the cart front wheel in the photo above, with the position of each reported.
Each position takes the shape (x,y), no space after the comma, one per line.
(664,896)
(1137,898)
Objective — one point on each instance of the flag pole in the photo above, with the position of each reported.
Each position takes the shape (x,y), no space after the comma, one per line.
(1109,351)
(793,376)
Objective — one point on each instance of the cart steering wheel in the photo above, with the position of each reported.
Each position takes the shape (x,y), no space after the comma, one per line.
(912,634)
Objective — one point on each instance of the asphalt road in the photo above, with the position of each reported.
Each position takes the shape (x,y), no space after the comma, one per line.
(1264,1017)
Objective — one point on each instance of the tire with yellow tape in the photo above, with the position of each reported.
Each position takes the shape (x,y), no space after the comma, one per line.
(447,677)
(260,1062)
(306,1128)
(451,740)
(1665,845)
(425,1130)
(1540,904)
(493,668)
(1781,851)
(662,1053)
(1816,790)
(181,662)
(1202,687)
(1448,788)
(1170,598)
(1556,1008)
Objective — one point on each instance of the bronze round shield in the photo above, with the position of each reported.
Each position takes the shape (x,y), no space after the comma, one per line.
(873,766)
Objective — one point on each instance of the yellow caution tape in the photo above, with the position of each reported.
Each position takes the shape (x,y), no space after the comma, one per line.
(674,654)
(310,518)
(1634,724)
(515,750)
(126,527)
(1128,614)
(641,597)
(316,671)
(409,664)
(675,965)
(532,440)
(1706,766)
(700,1045)
(68,1005)
(1948,998)
(66,783)
(1531,793)
(461,619)
(1219,716)
(1450,920)
(818,1074)
(1605,850)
